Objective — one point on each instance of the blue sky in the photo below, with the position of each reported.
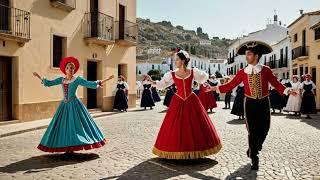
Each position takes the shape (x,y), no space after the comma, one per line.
(223,18)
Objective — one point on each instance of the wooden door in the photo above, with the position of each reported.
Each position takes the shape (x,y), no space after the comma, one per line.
(5,89)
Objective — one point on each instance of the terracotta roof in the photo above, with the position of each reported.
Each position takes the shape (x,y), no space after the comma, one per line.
(301,16)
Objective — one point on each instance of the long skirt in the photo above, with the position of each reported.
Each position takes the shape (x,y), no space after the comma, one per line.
(187,131)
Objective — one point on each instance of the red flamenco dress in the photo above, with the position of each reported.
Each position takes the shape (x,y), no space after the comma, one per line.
(207,98)
(187,131)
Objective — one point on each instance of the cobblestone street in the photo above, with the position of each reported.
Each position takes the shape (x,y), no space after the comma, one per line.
(291,151)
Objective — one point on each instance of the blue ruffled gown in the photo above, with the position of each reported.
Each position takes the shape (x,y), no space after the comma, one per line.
(72,128)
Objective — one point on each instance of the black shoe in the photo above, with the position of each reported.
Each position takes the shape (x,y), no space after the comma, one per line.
(145,108)
(255,163)
(151,108)
(225,108)
(308,117)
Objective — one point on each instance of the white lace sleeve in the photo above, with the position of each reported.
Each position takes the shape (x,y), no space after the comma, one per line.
(126,86)
(314,86)
(200,76)
(166,81)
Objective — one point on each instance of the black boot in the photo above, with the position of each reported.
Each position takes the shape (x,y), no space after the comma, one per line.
(255,163)
(151,108)
(308,117)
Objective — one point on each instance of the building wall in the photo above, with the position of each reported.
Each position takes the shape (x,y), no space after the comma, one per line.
(144,68)
(284,72)
(29,96)
(310,61)
(272,34)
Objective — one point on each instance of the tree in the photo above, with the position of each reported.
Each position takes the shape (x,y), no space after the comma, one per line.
(155,74)
(193,50)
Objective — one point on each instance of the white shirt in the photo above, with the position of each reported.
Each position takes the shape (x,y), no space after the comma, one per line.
(167,80)
(253,69)
(307,83)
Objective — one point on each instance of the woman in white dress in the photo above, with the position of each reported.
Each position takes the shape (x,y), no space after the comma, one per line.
(294,101)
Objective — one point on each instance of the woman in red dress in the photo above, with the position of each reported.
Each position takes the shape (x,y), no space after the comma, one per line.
(207,98)
(187,131)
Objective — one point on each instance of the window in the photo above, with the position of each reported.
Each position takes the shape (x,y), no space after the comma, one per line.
(317,33)
(295,38)
(306,70)
(58,50)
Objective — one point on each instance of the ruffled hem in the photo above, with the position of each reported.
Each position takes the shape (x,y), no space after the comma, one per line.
(187,154)
(73,148)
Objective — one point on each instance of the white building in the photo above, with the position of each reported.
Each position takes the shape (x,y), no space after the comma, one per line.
(280,59)
(155,51)
(275,35)
(205,42)
(143,68)
(210,65)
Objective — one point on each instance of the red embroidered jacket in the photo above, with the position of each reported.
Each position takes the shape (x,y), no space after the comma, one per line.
(256,85)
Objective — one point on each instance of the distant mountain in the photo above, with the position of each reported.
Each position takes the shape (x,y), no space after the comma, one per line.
(167,37)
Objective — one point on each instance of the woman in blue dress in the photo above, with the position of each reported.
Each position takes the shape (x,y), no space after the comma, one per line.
(72,128)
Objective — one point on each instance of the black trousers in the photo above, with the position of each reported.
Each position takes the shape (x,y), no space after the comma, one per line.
(227,99)
(257,113)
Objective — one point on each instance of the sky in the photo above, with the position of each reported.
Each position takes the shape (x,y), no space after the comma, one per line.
(224,18)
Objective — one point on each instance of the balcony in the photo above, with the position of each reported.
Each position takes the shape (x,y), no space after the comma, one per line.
(282,63)
(98,29)
(230,60)
(66,5)
(14,25)
(301,53)
(126,33)
(273,64)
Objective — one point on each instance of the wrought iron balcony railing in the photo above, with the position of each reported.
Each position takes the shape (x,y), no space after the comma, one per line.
(14,24)
(98,28)
(127,33)
(301,51)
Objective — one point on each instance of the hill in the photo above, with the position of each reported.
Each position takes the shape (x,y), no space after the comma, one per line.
(166,36)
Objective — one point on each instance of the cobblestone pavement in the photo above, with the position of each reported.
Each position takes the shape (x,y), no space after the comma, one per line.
(291,151)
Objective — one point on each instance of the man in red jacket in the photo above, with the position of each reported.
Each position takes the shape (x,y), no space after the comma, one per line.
(256,78)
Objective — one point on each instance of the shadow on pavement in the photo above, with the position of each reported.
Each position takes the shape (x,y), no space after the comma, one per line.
(163,169)
(237,121)
(163,111)
(45,162)
(244,172)
(139,110)
(315,122)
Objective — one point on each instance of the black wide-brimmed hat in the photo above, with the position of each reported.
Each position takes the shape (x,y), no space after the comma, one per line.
(257,46)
